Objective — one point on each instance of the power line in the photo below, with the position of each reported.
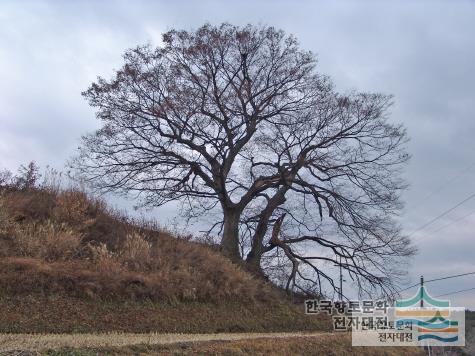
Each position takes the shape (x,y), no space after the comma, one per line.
(415,285)
(437,279)
(448,277)
(471,196)
(458,291)
(454,221)
(443,185)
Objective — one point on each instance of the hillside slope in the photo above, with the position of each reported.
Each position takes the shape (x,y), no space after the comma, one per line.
(69,263)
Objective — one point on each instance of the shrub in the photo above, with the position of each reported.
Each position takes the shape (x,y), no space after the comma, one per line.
(32,205)
(73,207)
(135,252)
(47,241)
(28,176)
(6,178)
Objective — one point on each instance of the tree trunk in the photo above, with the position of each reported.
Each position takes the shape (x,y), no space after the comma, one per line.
(253,259)
(253,262)
(254,256)
(230,239)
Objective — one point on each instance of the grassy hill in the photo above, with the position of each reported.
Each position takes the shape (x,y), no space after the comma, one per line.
(68,263)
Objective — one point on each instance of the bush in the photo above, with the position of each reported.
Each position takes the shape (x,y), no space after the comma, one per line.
(48,241)
(136,252)
(28,176)
(6,178)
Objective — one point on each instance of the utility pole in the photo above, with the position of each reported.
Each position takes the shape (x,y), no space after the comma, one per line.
(340,290)
(422,292)
(429,351)
(341,283)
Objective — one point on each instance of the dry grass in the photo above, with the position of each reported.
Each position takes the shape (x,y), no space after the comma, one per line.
(47,241)
(67,314)
(225,344)
(331,345)
(109,279)
(55,242)
(70,264)
(28,342)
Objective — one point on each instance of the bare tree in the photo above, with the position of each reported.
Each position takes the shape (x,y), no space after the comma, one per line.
(28,176)
(238,119)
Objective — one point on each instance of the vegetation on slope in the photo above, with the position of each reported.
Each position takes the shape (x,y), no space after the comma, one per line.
(70,263)
(325,344)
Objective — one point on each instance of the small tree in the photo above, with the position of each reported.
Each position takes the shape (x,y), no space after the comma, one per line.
(27,176)
(6,177)
(237,119)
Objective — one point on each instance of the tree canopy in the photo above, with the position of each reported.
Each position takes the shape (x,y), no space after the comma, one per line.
(238,120)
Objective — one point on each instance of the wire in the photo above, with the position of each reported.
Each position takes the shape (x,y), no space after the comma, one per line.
(445,184)
(415,285)
(453,276)
(458,291)
(454,221)
(471,196)
(436,279)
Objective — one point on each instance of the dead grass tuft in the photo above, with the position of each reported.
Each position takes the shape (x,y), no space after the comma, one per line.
(48,241)
(136,252)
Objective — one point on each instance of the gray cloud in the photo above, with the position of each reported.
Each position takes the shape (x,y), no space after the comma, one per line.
(420,51)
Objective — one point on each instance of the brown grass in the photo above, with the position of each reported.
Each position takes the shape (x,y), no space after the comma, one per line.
(67,243)
(67,314)
(331,345)
(47,241)
(68,263)
(324,344)
(109,279)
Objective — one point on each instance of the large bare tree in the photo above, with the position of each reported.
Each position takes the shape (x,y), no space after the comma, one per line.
(238,119)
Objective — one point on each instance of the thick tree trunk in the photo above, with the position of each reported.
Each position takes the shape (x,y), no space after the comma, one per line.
(253,259)
(253,262)
(230,239)
(254,256)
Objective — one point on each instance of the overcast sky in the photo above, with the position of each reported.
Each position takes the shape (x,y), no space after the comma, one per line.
(422,52)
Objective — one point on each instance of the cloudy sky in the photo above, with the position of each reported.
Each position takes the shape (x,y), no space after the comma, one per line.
(422,52)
